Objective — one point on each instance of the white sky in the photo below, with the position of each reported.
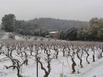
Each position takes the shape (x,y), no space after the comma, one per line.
(63,9)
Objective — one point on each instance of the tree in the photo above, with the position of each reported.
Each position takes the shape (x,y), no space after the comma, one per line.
(8,22)
(96,27)
(71,34)
(83,34)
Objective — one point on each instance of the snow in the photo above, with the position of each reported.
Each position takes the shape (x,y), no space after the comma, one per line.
(5,36)
(93,70)
(59,67)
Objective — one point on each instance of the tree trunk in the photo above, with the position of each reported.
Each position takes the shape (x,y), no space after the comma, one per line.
(73,66)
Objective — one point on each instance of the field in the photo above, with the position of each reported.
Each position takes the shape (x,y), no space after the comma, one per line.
(54,58)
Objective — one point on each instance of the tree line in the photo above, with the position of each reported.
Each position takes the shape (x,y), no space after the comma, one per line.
(11,24)
(93,32)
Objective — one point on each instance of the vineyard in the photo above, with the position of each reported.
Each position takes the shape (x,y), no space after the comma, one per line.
(48,58)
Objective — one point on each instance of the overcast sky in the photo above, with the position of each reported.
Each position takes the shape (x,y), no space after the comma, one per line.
(63,9)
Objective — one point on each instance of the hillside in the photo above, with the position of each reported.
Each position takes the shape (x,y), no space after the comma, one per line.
(42,26)
(57,24)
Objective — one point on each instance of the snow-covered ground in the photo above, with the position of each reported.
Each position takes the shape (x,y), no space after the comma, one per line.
(60,67)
